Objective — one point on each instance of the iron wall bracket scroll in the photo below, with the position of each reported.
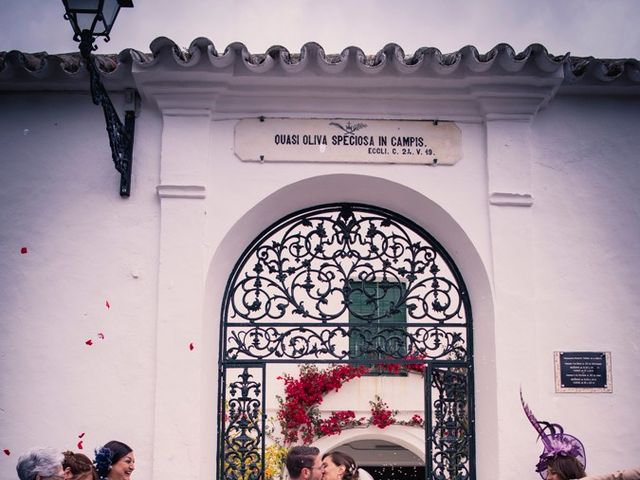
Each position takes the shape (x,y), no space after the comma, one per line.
(121,135)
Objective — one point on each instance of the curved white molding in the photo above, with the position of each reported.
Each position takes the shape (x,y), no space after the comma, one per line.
(410,438)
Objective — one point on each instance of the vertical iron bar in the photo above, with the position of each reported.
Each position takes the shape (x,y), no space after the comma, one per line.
(472,421)
(264,421)
(222,424)
(428,424)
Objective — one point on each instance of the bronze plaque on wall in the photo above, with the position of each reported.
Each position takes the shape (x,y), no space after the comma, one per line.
(583,372)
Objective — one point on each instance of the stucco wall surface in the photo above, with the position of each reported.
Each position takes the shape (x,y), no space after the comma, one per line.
(85,247)
(556,275)
(585,175)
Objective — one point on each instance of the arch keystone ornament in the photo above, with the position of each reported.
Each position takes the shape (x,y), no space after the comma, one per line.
(346,284)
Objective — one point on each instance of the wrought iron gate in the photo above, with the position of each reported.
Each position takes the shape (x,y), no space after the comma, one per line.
(289,300)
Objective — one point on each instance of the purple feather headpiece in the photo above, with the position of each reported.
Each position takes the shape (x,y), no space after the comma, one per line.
(102,461)
(554,440)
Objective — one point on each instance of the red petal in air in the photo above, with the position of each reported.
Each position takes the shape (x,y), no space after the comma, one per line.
(7,451)
(101,335)
(191,347)
(81,435)
(23,250)
(107,304)
(89,342)
(80,445)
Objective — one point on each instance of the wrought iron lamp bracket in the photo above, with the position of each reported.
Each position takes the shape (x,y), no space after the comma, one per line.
(121,136)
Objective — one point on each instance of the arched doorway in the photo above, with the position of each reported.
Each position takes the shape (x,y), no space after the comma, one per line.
(346,283)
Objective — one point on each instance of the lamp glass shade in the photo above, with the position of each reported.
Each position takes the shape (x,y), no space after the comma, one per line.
(109,12)
(85,21)
(97,16)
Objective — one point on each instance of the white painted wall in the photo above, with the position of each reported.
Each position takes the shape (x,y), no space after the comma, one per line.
(557,275)
(86,246)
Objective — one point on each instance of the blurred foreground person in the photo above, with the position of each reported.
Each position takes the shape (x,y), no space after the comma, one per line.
(627,474)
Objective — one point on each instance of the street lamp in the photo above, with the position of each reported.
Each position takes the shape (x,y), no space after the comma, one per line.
(91,19)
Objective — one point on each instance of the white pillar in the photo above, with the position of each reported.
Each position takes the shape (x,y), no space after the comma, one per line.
(510,216)
(181,275)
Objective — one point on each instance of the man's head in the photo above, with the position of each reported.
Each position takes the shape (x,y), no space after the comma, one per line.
(40,464)
(304,463)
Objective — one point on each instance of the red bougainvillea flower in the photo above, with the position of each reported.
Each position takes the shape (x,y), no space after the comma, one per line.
(417,419)
(23,250)
(89,342)
(80,445)
(7,451)
(298,413)
(336,422)
(299,410)
(381,415)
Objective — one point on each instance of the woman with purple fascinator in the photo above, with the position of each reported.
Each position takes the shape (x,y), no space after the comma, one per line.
(563,456)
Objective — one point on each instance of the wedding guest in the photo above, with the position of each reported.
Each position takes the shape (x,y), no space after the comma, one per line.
(40,464)
(77,466)
(564,467)
(303,463)
(563,456)
(115,461)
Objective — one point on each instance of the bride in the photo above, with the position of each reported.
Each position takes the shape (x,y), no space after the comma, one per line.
(340,466)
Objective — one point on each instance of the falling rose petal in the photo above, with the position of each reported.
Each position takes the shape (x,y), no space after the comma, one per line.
(89,342)
(23,250)
(191,347)
(106,303)
(79,445)
(7,451)
(81,435)
(101,335)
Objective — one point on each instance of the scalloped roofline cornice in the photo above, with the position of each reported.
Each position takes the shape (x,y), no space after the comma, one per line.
(465,83)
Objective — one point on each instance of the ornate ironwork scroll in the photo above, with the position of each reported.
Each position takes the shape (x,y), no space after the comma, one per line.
(242,441)
(302,290)
(291,294)
(450,433)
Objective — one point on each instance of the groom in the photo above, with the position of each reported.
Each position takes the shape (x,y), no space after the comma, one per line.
(304,463)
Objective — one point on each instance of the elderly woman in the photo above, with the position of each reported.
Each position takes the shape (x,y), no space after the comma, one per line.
(40,464)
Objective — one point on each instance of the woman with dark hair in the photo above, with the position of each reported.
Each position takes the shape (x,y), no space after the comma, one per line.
(115,461)
(77,466)
(563,456)
(339,466)
(564,467)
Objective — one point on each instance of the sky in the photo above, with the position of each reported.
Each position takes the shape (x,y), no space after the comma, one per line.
(599,28)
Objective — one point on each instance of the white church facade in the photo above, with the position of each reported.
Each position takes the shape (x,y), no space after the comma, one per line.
(463,220)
